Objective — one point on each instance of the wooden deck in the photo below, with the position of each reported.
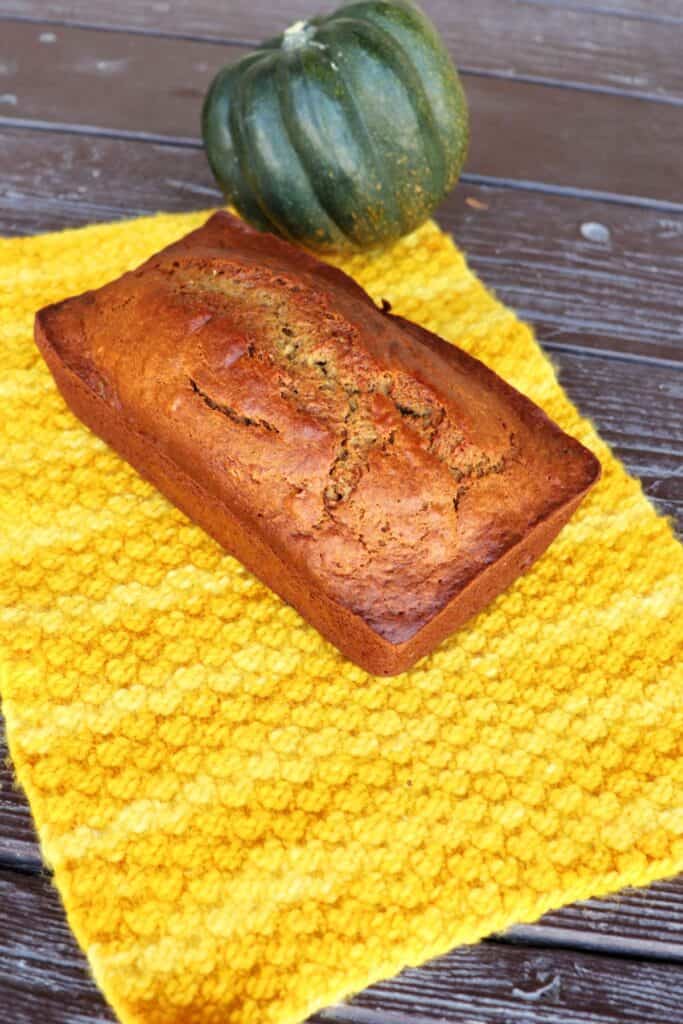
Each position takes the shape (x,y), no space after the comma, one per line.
(571,209)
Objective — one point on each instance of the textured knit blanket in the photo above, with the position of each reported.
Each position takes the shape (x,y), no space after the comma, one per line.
(244,826)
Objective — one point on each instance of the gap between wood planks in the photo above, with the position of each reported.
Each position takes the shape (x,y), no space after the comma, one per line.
(491,982)
(463,68)
(551,931)
(78,13)
(618,297)
(551,937)
(67,86)
(640,10)
(187,142)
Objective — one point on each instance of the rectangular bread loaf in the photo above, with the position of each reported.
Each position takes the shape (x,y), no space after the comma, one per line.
(379,479)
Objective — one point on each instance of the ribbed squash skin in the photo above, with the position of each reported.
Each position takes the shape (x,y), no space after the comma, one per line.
(342,133)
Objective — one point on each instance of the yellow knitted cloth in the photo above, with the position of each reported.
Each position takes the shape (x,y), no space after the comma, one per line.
(244,826)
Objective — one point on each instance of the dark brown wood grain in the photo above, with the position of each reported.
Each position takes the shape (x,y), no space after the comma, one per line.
(646,922)
(18,841)
(666,11)
(622,295)
(43,976)
(495,983)
(53,180)
(559,42)
(587,274)
(149,86)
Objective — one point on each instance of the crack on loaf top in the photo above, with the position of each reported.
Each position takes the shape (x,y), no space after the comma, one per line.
(322,371)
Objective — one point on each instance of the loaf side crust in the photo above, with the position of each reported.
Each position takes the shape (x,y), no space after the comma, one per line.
(115,355)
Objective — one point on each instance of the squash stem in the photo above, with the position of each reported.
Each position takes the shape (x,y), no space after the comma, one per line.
(297,35)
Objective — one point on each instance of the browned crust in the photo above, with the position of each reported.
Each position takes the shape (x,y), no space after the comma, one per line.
(347,630)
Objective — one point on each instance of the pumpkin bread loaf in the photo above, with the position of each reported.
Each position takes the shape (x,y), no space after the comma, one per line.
(379,479)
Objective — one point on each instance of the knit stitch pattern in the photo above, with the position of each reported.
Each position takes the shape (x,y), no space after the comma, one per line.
(245,827)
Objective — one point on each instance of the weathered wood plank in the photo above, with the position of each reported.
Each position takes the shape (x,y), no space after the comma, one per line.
(649,921)
(622,293)
(638,410)
(562,42)
(50,180)
(495,983)
(43,976)
(140,84)
(18,842)
(107,81)
(586,274)
(649,10)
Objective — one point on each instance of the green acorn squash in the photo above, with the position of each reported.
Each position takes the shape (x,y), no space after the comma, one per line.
(343,132)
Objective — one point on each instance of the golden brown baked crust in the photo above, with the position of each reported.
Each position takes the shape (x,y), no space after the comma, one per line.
(378,478)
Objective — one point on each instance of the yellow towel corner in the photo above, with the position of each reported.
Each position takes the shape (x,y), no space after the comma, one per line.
(243,826)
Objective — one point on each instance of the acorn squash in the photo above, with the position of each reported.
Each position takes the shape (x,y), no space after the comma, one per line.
(342,133)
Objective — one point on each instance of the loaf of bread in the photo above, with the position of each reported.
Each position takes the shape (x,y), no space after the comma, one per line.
(379,479)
